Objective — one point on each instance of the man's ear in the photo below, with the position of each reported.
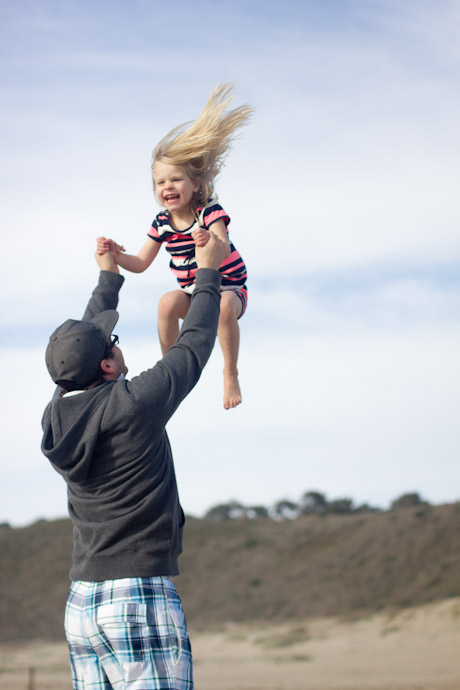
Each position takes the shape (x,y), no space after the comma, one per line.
(106,366)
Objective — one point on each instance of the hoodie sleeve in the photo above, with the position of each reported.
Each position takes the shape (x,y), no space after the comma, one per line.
(163,387)
(105,294)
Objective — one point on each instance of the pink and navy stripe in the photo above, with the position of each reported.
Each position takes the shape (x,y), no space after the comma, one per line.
(181,248)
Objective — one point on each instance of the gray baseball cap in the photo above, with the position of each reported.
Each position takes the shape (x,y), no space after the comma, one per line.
(76,349)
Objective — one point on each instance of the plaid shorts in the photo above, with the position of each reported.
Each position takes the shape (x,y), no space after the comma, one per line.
(128,634)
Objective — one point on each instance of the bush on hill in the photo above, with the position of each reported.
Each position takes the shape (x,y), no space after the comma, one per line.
(311,503)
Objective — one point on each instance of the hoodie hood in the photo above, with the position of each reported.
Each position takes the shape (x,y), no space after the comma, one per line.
(71,427)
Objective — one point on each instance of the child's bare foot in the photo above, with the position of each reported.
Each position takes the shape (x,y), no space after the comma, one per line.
(232,392)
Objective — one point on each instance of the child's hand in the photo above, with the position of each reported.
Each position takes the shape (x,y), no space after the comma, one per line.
(201,237)
(105,245)
(116,248)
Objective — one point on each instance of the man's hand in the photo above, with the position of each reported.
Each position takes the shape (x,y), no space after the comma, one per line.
(106,262)
(213,253)
(105,244)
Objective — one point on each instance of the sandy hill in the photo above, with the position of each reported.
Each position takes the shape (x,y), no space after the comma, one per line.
(256,570)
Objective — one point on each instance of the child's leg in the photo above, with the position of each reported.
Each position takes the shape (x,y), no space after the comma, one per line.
(229,338)
(171,307)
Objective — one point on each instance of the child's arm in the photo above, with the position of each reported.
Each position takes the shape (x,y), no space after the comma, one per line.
(221,231)
(136,263)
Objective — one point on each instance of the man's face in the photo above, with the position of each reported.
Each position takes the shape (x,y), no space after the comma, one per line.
(113,364)
(118,363)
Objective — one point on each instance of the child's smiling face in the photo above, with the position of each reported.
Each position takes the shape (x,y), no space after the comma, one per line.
(174,188)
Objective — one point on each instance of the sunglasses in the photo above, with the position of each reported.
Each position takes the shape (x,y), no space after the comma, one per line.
(114,340)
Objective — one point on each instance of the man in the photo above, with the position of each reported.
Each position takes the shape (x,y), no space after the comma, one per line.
(106,436)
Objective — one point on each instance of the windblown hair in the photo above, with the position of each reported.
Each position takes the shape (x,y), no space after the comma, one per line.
(202,146)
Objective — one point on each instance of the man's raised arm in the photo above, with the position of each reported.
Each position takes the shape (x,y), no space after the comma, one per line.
(105,294)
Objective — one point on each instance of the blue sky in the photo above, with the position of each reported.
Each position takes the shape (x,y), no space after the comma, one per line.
(343,194)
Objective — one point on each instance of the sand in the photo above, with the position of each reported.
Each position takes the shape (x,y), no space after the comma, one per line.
(414,649)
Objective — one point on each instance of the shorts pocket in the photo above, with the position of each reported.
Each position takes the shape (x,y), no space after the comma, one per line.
(125,628)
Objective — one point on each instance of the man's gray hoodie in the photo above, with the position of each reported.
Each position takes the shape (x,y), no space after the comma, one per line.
(110,445)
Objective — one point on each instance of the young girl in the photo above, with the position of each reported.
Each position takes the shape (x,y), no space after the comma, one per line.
(185,164)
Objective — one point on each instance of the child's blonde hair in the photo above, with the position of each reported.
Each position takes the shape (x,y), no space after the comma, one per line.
(202,147)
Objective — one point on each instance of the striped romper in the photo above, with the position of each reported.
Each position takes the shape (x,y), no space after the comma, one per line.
(181,247)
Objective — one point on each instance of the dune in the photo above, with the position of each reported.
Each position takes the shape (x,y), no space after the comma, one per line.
(409,649)
(413,649)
